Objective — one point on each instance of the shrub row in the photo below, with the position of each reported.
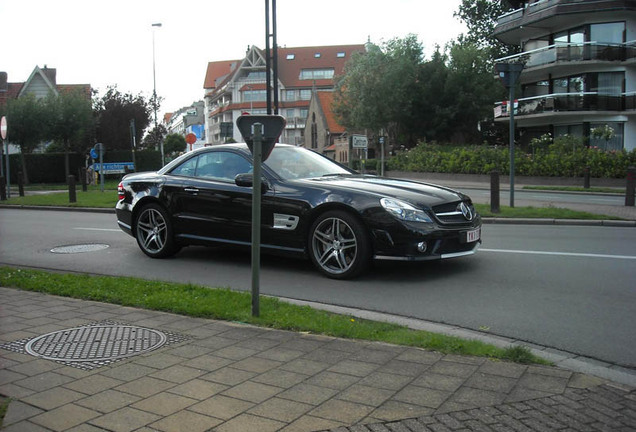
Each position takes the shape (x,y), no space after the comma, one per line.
(561,159)
(49,167)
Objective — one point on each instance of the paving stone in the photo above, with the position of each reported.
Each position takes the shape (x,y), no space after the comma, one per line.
(228,376)
(108,401)
(93,384)
(422,396)
(281,409)
(25,426)
(64,417)
(342,411)
(44,381)
(252,391)
(221,407)
(198,389)
(256,364)
(308,393)
(18,411)
(333,380)
(145,387)
(355,368)
(208,362)
(366,395)
(185,421)
(395,410)
(164,404)
(53,398)
(125,420)
(178,374)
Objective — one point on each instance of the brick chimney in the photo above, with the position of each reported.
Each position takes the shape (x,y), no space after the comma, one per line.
(50,74)
(4,84)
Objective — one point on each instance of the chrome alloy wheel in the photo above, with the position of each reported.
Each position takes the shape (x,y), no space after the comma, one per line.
(152,231)
(334,245)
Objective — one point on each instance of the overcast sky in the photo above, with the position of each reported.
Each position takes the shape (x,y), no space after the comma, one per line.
(108,42)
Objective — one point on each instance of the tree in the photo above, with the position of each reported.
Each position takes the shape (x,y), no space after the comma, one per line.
(70,121)
(174,144)
(25,116)
(480,16)
(378,87)
(153,138)
(114,111)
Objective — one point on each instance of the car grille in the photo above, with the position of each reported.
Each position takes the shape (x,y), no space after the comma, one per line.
(451,213)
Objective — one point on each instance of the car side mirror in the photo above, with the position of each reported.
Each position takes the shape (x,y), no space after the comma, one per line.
(247,180)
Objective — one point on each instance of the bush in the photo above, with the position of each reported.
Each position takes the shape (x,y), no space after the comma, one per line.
(566,157)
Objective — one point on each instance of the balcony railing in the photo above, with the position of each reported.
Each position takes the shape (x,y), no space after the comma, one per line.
(574,52)
(564,102)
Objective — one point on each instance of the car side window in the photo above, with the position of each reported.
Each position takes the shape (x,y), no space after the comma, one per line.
(187,168)
(222,165)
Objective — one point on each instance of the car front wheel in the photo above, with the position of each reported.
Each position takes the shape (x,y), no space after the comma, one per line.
(154,232)
(339,245)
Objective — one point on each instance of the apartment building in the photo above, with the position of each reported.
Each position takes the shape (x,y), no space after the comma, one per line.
(235,87)
(580,68)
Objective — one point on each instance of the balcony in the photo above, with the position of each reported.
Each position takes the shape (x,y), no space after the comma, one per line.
(574,52)
(569,102)
(542,17)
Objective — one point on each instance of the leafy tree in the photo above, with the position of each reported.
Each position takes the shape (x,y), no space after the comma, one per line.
(69,121)
(471,90)
(25,117)
(114,111)
(378,87)
(480,16)
(153,138)
(174,144)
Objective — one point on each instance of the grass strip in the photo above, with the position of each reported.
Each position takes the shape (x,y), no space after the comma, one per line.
(540,213)
(608,190)
(228,305)
(90,199)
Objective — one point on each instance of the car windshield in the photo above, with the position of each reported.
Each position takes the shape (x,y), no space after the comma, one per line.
(297,163)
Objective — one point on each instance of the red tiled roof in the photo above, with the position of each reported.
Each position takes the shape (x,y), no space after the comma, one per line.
(218,70)
(306,58)
(13,89)
(84,89)
(325,98)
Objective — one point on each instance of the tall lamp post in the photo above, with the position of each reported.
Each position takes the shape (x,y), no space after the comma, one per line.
(154,87)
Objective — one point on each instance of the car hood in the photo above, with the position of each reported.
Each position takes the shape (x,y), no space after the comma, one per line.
(422,194)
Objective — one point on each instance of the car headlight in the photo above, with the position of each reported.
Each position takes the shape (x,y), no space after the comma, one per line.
(404,211)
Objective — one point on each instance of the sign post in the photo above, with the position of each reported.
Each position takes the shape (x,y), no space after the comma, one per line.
(260,134)
(3,134)
(100,149)
(508,73)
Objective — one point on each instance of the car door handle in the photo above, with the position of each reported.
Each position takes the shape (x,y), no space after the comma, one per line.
(190,190)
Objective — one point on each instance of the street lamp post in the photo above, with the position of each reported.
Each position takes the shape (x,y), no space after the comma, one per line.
(154,87)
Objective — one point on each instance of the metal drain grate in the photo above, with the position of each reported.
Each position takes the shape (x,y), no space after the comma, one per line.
(97,343)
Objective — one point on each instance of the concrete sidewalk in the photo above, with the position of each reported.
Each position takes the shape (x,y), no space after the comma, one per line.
(124,369)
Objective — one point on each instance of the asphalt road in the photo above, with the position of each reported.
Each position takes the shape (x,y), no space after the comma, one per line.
(566,287)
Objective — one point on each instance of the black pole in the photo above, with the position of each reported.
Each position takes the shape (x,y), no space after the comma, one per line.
(630,188)
(511,106)
(268,78)
(275,57)
(72,194)
(494,191)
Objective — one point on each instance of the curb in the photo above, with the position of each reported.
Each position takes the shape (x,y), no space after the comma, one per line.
(485,220)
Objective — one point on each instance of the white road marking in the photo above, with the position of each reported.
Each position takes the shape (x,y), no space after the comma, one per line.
(584,255)
(98,229)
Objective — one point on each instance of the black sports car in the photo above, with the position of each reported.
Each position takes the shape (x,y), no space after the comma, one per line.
(311,206)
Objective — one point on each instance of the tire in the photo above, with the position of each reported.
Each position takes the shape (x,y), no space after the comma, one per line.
(339,245)
(153,231)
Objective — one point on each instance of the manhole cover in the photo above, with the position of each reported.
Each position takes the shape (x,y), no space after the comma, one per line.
(97,343)
(71,249)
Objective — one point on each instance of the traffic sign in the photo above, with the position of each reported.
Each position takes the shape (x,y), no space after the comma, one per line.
(3,127)
(191,138)
(359,141)
(272,127)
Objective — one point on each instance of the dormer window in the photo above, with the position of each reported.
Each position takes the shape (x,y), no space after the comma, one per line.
(291,56)
(340,55)
(317,55)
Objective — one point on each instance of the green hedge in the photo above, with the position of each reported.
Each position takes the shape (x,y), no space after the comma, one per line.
(561,159)
(49,167)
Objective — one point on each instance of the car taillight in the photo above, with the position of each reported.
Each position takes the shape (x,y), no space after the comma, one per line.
(120,191)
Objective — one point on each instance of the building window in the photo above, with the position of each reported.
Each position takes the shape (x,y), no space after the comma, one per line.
(290,95)
(340,55)
(311,74)
(289,113)
(317,55)
(613,143)
(305,94)
(254,95)
(304,112)
(291,56)
(256,75)
(608,33)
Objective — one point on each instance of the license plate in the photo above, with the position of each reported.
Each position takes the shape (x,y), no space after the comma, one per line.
(473,235)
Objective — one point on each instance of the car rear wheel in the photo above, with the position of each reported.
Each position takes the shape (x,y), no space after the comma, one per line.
(154,232)
(339,245)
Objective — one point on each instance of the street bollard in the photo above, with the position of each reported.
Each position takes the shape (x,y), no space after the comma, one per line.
(586,178)
(20,184)
(494,191)
(83,179)
(3,189)
(72,195)
(630,188)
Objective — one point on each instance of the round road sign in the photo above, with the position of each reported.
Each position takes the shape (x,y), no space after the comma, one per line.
(3,127)
(191,138)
